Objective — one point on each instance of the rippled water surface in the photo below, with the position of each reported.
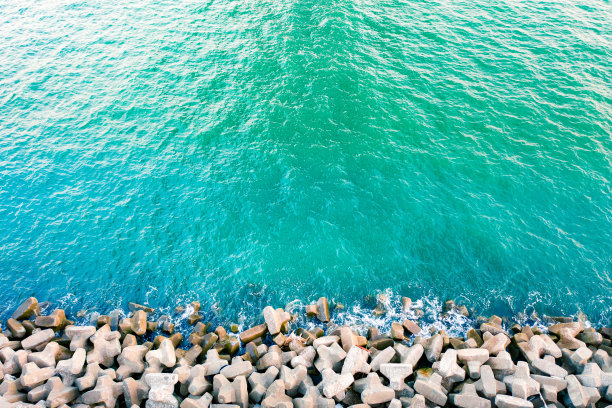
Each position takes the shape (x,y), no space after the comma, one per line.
(249,152)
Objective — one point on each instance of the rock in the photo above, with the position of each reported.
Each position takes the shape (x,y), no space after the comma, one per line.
(293,379)
(487,385)
(501,364)
(237,368)
(356,361)
(72,368)
(134,392)
(397,331)
(468,398)
(47,357)
(16,328)
(431,389)
(87,381)
(305,358)
(396,374)
(325,341)
(271,359)
(260,382)
(319,309)
(578,358)
(9,391)
(28,308)
(493,326)
(275,396)
(334,385)
(253,333)
(373,391)
(497,343)
(330,357)
(131,361)
(433,348)
(275,319)
(520,384)
(37,339)
(134,307)
(59,394)
(161,390)
(202,402)
(550,386)
(411,327)
(313,399)
(138,322)
(348,338)
(33,376)
(409,355)
(383,357)
(474,359)
(105,392)
(507,401)
(579,396)
(106,347)
(448,367)
(56,320)
(164,356)
(227,392)
(548,367)
(593,376)
(79,336)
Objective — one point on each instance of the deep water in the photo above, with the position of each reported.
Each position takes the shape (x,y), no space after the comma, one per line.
(250,152)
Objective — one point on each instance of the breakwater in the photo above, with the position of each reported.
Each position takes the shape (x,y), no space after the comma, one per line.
(137,360)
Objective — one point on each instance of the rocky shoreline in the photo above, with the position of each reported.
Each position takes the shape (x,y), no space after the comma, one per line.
(138,361)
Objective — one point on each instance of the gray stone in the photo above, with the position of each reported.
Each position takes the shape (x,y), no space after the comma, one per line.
(106,347)
(165,355)
(520,384)
(59,394)
(383,357)
(579,396)
(275,396)
(433,347)
(79,336)
(38,339)
(202,402)
(213,363)
(237,368)
(334,385)
(593,376)
(33,376)
(448,368)
(473,358)
(431,388)
(396,374)
(329,357)
(134,392)
(548,367)
(409,355)
(293,379)
(105,393)
(373,391)
(468,398)
(501,364)
(313,399)
(92,371)
(305,358)
(275,319)
(496,343)
(72,368)
(487,385)
(507,401)
(131,361)
(260,382)
(356,361)
(161,390)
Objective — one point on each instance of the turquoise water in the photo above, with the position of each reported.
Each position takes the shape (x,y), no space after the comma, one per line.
(253,152)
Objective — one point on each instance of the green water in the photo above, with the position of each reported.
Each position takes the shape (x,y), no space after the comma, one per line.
(254,152)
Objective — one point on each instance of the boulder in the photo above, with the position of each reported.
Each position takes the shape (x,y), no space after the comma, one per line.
(161,388)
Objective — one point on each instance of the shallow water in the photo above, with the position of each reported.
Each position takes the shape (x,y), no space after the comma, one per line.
(252,152)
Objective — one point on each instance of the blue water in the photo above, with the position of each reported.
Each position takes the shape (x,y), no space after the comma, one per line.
(248,153)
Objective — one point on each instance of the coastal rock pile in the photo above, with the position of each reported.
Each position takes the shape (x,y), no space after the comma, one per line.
(47,361)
